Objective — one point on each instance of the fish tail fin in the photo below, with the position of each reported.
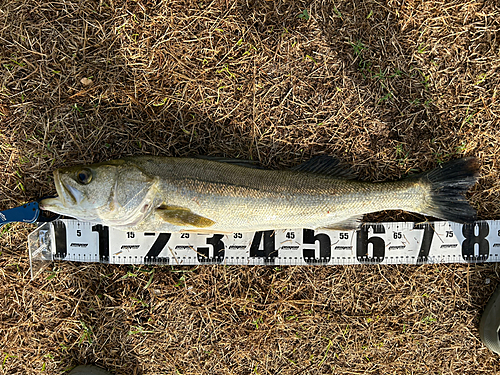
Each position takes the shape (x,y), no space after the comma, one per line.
(448,184)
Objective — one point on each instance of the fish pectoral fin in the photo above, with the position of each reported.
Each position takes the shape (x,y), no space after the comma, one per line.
(183,216)
(351,223)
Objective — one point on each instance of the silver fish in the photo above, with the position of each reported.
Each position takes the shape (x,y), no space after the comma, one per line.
(148,193)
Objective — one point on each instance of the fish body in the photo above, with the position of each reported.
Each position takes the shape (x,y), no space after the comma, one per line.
(167,194)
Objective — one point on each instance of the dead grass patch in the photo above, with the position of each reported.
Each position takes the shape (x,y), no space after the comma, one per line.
(390,87)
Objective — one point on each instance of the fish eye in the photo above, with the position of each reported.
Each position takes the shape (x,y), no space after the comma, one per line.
(84,176)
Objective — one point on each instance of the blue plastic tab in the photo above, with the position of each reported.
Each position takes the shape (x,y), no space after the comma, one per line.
(27,213)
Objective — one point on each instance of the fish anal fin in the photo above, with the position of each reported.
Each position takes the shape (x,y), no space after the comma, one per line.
(351,223)
(182,216)
(326,165)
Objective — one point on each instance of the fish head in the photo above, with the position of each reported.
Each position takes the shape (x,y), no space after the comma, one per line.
(112,193)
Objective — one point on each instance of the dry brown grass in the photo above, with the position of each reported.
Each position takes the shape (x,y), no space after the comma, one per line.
(388,86)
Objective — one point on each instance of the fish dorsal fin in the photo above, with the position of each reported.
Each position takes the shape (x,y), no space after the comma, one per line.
(326,165)
(183,216)
(240,162)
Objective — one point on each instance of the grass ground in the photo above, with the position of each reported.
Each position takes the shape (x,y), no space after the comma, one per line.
(391,87)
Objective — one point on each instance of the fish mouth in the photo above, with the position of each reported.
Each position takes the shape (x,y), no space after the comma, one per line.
(66,190)
(67,195)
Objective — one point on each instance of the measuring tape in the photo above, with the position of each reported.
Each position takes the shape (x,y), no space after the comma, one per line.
(382,243)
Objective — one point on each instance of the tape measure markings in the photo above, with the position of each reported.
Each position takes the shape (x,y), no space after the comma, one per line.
(383,243)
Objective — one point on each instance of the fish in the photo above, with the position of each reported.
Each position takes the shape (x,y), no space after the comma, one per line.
(169,194)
